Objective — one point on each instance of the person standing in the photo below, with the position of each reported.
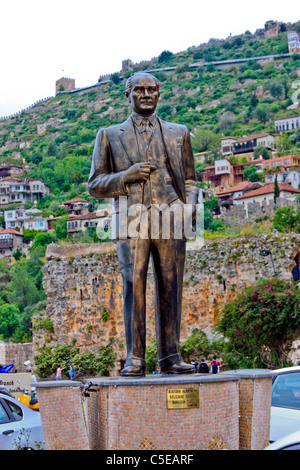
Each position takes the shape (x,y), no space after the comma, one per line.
(58,373)
(215,365)
(203,367)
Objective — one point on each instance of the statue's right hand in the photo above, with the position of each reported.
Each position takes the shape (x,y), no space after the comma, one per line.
(138,173)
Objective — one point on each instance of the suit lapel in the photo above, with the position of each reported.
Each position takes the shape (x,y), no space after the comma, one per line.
(171,141)
(129,141)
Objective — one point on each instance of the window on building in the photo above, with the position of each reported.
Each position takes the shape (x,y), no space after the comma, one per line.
(286,161)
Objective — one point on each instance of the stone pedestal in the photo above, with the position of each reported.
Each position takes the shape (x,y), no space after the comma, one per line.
(191,412)
(255,397)
(63,415)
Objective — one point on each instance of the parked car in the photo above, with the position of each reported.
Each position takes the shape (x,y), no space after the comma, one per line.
(285,409)
(289,442)
(20,427)
(5,391)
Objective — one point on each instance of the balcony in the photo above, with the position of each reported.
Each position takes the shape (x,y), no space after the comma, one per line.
(6,243)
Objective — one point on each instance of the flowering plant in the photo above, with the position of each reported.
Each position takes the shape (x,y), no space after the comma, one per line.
(263,319)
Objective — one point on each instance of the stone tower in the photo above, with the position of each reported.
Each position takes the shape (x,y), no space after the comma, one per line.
(64,84)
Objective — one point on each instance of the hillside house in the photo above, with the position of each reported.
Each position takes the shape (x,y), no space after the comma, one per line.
(10,241)
(227,145)
(25,219)
(21,190)
(285,176)
(76,206)
(99,219)
(287,169)
(266,194)
(245,146)
(287,123)
(294,42)
(224,174)
(9,169)
(228,196)
(286,161)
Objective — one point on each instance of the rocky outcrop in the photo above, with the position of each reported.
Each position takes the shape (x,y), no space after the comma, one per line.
(85,292)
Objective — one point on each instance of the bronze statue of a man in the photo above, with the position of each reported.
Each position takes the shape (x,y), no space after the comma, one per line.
(149,162)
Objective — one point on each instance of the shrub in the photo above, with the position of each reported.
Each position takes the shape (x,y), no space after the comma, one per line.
(47,361)
(287,219)
(262,320)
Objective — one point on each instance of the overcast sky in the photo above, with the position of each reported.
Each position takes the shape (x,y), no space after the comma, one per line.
(42,41)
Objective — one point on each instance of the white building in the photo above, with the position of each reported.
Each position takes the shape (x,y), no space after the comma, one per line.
(266,194)
(227,144)
(99,219)
(294,42)
(285,176)
(287,123)
(25,219)
(21,190)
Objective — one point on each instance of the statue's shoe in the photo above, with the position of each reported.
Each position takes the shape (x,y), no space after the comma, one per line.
(180,368)
(133,371)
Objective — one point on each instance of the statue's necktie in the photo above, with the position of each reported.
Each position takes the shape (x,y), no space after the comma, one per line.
(146,131)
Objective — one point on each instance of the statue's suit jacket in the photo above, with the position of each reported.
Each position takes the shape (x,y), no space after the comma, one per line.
(116,150)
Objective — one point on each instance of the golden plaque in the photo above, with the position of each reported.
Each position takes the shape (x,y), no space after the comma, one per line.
(182,398)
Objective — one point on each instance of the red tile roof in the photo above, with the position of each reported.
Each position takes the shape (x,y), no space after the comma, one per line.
(75,199)
(11,231)
(239,187)
(267,189)
(287,117)
(252,137)
(12,178)
(90,215)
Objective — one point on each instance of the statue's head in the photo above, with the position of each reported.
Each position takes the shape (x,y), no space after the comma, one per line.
(142,91)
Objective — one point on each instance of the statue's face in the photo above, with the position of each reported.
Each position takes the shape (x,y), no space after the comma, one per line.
(144,95)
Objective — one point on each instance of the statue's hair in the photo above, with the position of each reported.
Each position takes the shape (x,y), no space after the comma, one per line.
(135,75)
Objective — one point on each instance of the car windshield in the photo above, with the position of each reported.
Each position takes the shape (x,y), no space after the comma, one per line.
(286,391)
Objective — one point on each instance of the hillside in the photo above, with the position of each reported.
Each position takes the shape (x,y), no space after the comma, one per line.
(56,137)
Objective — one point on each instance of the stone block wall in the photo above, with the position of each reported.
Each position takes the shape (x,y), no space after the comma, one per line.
(256,210)
(85,291)
(16,354)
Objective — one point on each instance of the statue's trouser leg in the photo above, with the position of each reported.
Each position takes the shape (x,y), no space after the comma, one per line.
(168,263)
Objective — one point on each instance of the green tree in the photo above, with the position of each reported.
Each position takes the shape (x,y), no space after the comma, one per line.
(252,174)
(9,320)
(287,219)
(115,78)
(205,140)
(22,290)
(276,89)
(276,190)
(253,100)
(165,56)
(60,227)
(43,239)
(262,112)
(52,149)
(261,151)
